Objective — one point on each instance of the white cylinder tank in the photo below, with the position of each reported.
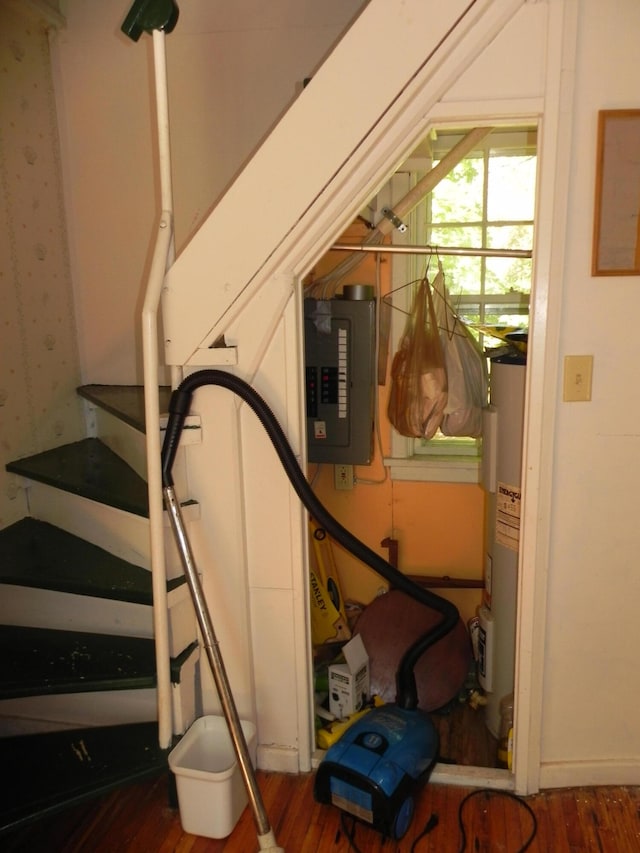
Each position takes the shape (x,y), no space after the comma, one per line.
(501,478)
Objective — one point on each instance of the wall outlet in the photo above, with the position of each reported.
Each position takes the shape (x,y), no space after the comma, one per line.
(343,476)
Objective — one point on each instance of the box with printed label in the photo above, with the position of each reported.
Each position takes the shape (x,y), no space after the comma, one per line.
(349,682)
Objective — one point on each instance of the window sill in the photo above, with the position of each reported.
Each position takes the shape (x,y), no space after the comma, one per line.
(440,469)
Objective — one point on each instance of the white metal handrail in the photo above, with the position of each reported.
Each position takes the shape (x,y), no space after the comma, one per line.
(163,256)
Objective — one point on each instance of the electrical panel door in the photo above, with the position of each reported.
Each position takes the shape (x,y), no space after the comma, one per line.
(340,379)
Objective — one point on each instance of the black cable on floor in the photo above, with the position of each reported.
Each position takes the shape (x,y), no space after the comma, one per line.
(349,832)
(430,824)
(492,793)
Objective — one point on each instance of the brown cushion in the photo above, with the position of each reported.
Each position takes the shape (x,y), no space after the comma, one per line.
(389,626)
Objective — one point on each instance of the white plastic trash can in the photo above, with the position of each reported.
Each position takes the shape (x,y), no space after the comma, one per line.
(211,791)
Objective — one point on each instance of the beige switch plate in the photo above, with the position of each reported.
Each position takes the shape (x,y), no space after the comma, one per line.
(578,370)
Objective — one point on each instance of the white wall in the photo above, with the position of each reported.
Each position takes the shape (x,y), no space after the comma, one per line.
(592,679)
(233,68)
(39,363)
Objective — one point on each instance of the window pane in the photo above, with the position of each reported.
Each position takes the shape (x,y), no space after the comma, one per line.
(511,188)
(444,444)
(469,312)
(517,236)
(508,275)
(455,235)
(514,315)
(462,275)
(458,198)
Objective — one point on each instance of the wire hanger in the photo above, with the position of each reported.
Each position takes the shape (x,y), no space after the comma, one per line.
(388,297)
(457,327)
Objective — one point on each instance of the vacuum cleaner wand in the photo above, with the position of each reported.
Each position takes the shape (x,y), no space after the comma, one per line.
(407,695)
(179,409)
(216,663)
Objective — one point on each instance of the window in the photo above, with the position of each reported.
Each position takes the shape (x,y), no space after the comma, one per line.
(486,202)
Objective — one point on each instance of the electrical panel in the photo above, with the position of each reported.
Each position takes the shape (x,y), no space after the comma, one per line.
(340,379)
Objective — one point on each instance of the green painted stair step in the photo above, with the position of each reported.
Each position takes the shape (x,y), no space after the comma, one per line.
(42,661)
(90,469)
(124,401)
(46,773)
(39,555)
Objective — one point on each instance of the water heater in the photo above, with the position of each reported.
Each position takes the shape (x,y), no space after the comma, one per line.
(501,479)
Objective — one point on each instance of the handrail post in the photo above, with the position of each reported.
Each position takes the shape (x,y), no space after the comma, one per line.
(157,18)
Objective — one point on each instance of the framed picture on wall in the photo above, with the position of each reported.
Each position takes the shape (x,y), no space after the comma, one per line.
(616,232)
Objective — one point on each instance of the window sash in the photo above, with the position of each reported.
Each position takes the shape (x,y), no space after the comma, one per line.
(460,456)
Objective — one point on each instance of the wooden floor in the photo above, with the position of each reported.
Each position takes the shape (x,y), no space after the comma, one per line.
(139,819)
(464,737)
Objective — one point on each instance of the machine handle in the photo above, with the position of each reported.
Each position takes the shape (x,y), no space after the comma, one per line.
(149,15)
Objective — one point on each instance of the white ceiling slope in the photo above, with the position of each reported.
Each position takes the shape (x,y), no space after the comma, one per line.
(361,113)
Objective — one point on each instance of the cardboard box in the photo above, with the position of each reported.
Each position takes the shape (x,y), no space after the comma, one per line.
(349,682)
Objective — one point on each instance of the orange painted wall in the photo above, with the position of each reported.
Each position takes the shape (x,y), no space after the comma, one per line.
(439,526)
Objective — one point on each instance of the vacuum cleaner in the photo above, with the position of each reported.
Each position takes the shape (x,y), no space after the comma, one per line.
(372,771)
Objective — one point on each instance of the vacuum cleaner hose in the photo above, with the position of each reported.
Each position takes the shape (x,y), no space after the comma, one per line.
(179,407)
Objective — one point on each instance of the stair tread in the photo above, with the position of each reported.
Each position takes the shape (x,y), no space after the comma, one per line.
(43,661)
(46,773)
(49,772)
(90,469)
(37,554)
(124,401)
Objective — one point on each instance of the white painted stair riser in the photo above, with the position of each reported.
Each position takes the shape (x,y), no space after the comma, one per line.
(130,444)
(121,533)
(33,714)
(62,611)
(76,710)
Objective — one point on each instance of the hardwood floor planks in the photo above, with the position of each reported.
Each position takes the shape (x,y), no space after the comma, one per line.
(139,819)
(617,804)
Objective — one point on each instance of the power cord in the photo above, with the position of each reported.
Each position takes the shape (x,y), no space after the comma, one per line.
(430,824)
(490,793)
(350,831)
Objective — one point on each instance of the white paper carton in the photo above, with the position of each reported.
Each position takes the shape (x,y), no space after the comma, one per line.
(349,682)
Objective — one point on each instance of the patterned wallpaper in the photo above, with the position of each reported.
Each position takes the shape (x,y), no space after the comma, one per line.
(39,363)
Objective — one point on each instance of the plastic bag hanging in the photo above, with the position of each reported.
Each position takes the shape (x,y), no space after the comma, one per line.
(466,368)
(418,393)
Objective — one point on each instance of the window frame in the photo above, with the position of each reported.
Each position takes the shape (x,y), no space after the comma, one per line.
(461,462)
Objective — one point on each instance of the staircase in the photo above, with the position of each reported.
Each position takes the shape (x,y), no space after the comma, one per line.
(78,712)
